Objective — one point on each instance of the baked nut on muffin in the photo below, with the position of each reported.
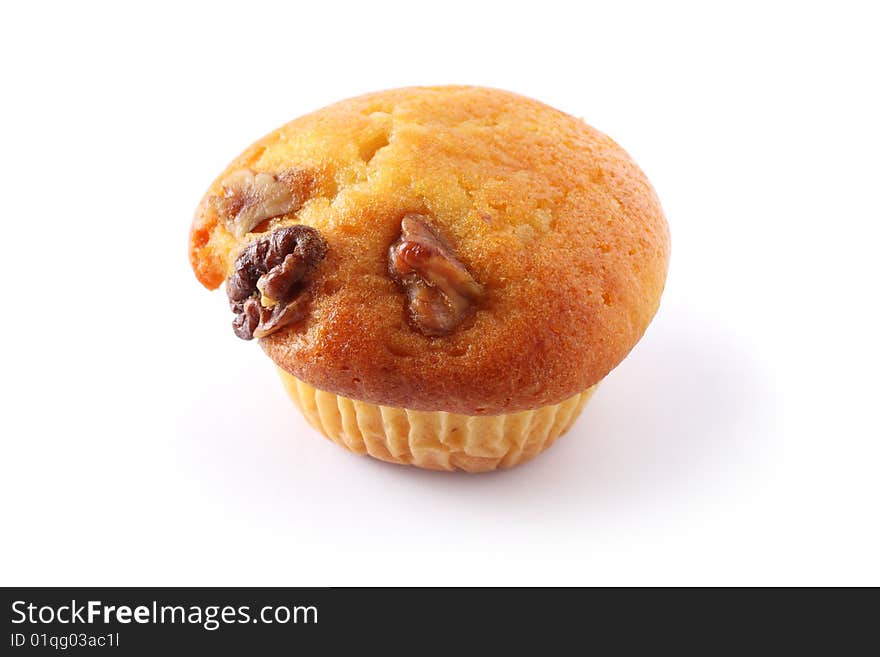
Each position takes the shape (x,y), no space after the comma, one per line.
(442,275)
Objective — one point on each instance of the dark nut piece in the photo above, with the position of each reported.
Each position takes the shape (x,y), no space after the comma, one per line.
(249,198)
(440,290)
(266,288)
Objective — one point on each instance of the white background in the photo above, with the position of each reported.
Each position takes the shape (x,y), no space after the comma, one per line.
(144,444)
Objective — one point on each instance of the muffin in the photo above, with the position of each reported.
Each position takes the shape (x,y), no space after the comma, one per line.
(442,275)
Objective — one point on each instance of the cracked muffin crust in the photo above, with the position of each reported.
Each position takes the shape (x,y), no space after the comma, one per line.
(551,241)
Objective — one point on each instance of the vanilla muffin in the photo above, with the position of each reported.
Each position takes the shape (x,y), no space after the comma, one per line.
(442,275)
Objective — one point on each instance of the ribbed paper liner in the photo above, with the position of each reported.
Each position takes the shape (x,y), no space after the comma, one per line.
(434,440)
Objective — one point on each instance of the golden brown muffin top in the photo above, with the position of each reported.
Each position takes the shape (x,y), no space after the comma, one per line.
(560,232)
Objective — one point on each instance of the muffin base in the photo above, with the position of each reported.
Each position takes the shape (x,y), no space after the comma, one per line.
(434,440)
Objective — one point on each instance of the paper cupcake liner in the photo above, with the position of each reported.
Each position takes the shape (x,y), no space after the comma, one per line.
(434,440)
